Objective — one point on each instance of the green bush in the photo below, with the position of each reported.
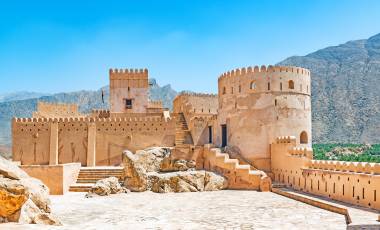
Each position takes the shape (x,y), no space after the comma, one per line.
(370,155)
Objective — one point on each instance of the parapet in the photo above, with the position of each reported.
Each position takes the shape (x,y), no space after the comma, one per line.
(345,166)
(155,104)
(265,69)
(286,140)
(301,152)
(46,109)
(87,119)
(119,74)
(193,94)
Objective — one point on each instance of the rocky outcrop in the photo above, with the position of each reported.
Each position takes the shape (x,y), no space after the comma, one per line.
(23,199)
(105,187)
(154,169)
(186,181)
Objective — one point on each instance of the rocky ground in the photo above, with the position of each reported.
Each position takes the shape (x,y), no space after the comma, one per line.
(225,209)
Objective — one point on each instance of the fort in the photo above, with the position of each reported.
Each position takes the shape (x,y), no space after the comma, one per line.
(256,132)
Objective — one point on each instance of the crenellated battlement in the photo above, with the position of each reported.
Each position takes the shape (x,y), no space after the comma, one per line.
(130,73)
(286,140)
(301,152)
(345,166)
(192,94)
(265,69)
(88,119)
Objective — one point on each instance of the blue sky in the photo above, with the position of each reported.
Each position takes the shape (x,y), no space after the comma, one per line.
(59,46)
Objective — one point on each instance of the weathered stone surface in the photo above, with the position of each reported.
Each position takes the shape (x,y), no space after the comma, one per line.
(10,203)
(143,171)
(214,182)
(134,172)
(105,187)
(186,181)
(23,199)
(265,184)
(10,170)
(171,165)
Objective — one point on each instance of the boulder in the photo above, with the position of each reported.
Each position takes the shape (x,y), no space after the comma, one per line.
(214,182)
(10,170)
(186,181)
(105,187)
(154,169)
(23,199)
(135,178)
(172,165)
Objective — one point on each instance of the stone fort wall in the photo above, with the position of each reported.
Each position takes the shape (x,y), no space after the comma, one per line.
(259,104)
(45,109)
(200,112)
(353,182)
(36,140)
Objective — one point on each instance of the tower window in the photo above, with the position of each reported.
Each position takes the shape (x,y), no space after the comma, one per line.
(128,103)
(291,84)
(281,86)
(303,138)
(268,85)
(252,85)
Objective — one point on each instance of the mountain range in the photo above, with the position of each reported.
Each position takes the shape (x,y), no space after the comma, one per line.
(345,94)
(345,91)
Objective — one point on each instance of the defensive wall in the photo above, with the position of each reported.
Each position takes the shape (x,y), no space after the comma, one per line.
(45,109)
(357,183)
(90,141)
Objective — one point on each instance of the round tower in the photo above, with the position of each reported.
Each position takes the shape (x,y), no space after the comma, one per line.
(256,105)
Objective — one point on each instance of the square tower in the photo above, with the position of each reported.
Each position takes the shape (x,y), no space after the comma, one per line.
(129,90)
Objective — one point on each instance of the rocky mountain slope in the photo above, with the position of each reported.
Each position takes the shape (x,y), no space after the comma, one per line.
(21,95)
(345,91)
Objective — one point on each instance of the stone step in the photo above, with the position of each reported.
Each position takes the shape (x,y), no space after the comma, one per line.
(119,171)
(101,173)
(80,187)
(91,180)
(96,177)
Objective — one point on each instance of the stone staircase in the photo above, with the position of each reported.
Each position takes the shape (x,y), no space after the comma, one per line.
(182,131)
(88,176)
(240,176)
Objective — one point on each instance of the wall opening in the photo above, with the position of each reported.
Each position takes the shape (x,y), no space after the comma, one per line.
(224,90)
(224,135)
(343,190)
(363,193)
(303,137)
(281,86)
(239,88)
(291,84)
(210,134)
(334,188)
(252,85)
(128,103)
(374,195)
(268,85)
